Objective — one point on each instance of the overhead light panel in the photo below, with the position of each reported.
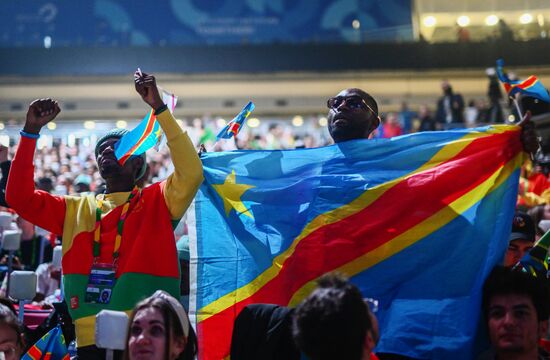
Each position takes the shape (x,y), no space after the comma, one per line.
(221,122)
(89,125)
(491,20)
(253,122)
(429,21)
(463,21)
(121,124)
(526,18)
(297,121)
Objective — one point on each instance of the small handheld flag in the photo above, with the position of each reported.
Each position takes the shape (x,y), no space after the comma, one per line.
(528,87)
(146,135)
(536,260)
(50,346)
(235,125)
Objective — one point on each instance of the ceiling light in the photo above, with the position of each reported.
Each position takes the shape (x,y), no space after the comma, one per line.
(297,121)
(491,20)
(463,21)
(429,21)
(51,125)
(526,18)
(221,122)
(121,124)
(253,122)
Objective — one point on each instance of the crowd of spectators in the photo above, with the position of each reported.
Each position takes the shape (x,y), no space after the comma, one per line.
(65,170)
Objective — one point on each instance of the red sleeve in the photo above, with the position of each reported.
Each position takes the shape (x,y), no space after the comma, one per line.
(36,206)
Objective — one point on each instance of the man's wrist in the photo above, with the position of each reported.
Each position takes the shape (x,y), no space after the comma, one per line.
(160,109)
(29,135)
(30,130)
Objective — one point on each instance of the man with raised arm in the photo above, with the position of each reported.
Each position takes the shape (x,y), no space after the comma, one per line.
(121,241)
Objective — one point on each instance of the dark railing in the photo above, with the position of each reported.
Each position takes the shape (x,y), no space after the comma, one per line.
(271,58)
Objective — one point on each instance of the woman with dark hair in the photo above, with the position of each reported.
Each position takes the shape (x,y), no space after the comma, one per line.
(11,335)
(160,329)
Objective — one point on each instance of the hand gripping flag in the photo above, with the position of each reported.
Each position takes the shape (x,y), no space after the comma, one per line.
(528,87)
(144,136)
(51,346)
(416,222)
(234,126)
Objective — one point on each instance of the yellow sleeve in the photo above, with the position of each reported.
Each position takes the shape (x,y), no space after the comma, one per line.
(532,199)
(182,185)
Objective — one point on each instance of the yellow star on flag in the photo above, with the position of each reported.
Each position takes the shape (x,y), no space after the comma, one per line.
(231,193)
(158,133)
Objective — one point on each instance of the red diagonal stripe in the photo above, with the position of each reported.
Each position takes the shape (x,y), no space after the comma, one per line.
(334,245)
(146,133)
(34,352)
(527,82)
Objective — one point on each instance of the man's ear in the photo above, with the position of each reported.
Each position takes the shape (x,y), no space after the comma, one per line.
(375,125)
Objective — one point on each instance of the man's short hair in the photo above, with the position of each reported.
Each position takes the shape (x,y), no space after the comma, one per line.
(506,281)
(332,322)
(368,98)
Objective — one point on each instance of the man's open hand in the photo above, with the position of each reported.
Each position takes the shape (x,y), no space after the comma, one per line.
(40,112)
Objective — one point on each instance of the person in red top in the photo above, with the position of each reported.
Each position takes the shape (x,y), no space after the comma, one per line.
(392,128)
(120,243)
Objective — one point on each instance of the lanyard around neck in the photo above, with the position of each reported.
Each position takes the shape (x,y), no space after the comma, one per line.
(120,225)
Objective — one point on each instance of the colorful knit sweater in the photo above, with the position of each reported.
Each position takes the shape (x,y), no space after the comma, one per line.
(147,256)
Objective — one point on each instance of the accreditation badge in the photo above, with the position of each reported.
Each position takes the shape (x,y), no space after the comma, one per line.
(100,283)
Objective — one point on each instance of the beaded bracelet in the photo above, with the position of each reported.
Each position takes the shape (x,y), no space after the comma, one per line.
(29,135)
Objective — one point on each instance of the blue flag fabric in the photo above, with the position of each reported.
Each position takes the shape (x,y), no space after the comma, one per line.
(234,126)
(416,222)
(50,346)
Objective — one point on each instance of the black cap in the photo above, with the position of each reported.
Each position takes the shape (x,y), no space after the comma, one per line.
(523,227)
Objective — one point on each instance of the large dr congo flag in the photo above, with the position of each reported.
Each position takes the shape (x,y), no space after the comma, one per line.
(416,222)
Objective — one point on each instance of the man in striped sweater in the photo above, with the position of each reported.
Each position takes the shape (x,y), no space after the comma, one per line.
(122,241)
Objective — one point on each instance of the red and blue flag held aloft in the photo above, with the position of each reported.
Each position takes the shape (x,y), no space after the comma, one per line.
(528,87)
(234,126)
(146,135)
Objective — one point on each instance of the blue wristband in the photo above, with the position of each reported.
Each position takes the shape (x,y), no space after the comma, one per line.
(29,135)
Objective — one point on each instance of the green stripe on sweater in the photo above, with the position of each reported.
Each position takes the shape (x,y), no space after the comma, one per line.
(129,289)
